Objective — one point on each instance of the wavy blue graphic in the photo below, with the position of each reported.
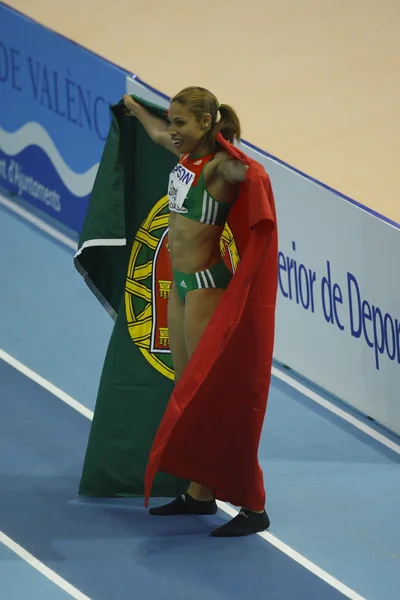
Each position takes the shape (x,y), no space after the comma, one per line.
(33,134)
(32,175)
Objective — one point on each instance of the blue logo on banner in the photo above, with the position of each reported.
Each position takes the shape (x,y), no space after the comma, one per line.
(54,116)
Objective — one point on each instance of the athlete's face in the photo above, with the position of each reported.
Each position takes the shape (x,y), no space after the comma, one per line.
(187,133)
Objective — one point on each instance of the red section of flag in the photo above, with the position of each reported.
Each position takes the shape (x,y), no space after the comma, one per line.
(162,288)
(211,428)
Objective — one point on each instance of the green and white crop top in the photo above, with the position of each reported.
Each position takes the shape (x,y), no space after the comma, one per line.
(188,195)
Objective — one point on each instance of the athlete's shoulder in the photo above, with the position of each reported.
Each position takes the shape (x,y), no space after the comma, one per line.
(219,159)
(231,169)
(221,156)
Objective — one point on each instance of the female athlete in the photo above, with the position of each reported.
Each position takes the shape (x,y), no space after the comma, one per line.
(201,190)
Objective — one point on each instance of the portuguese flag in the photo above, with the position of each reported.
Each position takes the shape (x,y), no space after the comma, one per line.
(123,257)
(149,436)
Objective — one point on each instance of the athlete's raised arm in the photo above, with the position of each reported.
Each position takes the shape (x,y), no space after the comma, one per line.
(156,127)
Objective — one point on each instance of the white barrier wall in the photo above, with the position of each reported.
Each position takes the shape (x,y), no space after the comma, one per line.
(338,314)
(338,317)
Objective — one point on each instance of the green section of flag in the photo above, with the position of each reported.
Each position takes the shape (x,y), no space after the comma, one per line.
(133,394)
(132,177)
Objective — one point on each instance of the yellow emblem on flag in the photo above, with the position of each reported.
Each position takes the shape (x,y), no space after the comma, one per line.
(148,286)
(164,337)
(164,288)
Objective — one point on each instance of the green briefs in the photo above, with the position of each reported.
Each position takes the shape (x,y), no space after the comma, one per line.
(217,276)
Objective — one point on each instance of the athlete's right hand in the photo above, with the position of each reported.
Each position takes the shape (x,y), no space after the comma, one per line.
(130,105)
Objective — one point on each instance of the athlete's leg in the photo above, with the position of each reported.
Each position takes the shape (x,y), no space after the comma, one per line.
(187,503)
(176,314)
(199,308)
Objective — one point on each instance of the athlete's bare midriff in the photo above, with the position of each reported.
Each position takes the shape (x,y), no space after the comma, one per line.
(195,246)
